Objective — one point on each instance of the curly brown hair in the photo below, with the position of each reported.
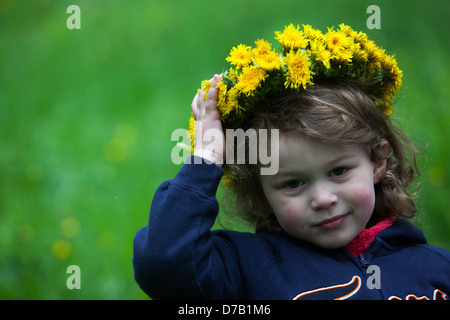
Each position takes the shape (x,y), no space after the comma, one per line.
(330,112)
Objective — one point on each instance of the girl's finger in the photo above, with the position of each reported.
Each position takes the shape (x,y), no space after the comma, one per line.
(206,106)
(212,93)
(198,105)
(194,106)
(211,97)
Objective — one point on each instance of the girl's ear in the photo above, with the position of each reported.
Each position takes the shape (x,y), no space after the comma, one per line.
(379,165)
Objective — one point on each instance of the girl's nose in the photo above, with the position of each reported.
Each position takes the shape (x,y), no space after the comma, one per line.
(323,197)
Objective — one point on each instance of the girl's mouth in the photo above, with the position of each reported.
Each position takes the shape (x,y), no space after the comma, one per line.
(332,223)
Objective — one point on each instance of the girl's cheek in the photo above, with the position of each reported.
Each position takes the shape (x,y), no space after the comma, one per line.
(290,216)
(363,197)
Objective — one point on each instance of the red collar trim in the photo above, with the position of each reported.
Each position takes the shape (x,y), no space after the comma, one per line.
(365,237)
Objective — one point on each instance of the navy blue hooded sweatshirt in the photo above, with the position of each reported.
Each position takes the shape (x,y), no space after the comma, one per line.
(177,256)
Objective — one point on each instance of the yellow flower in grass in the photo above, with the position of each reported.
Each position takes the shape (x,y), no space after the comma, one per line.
(250,79)
(61,249)
(240,56)
(291,38)
(298,72)
(264,57)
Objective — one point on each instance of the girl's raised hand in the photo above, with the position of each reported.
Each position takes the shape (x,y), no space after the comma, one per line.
(209,136)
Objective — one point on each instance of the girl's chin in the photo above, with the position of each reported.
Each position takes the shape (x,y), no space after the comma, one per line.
(334,240)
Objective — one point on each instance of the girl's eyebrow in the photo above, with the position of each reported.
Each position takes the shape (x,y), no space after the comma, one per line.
(340,158)
(298,171)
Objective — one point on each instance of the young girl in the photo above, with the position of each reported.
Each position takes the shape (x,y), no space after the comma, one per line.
(333,221)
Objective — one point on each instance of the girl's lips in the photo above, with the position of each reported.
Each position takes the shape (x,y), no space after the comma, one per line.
(333,222)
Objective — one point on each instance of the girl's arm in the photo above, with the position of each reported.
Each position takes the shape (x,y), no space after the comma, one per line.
(176,256)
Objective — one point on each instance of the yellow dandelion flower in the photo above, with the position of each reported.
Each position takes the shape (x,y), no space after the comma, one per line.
(222,93)
(232,74)
(264,57)
(375,54)
(324,56)
(357,40)
(269,61)
(291,38)
(359,54)
(338,43)
(232,100)
(250,79)
(311,33)
(320,52)
(262,47)
(344,56)
(205,86)
(191,132)
(390,63)
(360,38)
(240,56)
(389,109)
(231,103)
(347,30)
(385,105)
(298,72)
(395,74)
(336,39)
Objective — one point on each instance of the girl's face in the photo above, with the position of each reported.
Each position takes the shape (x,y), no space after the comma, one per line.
(322,193)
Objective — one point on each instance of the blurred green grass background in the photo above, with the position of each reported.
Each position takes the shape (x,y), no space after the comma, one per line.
(86,118)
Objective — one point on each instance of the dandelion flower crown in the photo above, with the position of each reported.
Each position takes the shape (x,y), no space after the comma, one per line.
(305,56)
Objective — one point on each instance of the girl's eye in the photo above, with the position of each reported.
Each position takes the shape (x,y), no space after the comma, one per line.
(338,172)
(293,184)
